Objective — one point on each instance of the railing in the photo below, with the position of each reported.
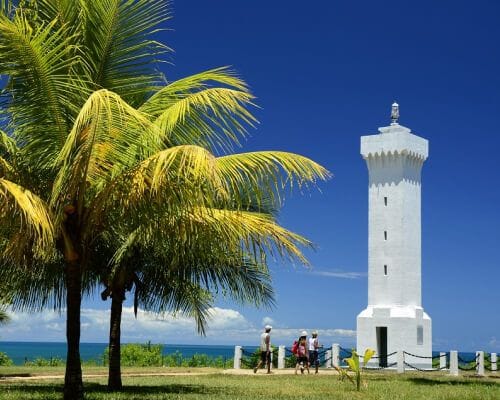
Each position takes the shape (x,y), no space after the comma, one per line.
(282,357)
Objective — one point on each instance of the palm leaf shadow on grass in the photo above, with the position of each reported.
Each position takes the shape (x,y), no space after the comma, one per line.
(434,382)
(16,375)
(155,389)
(90,388)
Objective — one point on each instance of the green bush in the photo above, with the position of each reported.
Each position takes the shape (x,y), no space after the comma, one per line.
(151,355)
(176,359)
(45,362)
(5,360)
(139,355)
(94,362)
(290,361)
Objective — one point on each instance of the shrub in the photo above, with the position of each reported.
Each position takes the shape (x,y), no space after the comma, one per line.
(5,360)
(174,360)
(148,355)
(45,362)
(139,355)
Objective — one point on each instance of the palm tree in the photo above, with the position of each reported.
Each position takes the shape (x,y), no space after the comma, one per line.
(93,136)
(159,289)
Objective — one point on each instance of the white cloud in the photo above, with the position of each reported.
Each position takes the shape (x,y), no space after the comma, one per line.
(226,326)
(50,326)
(338,273)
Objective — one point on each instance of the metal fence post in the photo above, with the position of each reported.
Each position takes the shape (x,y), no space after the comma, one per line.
(237,357)
(335,355)
(401,362)
(281,357)
(480,363)
(493,358)
(442,360)
(454,363)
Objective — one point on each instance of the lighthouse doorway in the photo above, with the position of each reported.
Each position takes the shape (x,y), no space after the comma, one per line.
(382,345)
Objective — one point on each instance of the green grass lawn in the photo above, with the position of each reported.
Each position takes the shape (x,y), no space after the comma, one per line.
(216,386)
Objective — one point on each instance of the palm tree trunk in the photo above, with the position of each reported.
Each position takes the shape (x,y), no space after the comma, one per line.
(73,384)
(115,374)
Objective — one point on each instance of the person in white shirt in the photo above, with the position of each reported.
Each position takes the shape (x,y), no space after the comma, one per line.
(313,350)
(265,349)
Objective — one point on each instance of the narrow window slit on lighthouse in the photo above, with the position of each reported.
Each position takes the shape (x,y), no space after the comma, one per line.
(420,335)
(385,270)
(385,201)
(385,235)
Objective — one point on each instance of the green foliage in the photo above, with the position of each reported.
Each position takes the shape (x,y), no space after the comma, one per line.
(139,355)
(151,355)
(176,359)
(4,317)
(46,362)
(291,361)
(356,367)
(5,360)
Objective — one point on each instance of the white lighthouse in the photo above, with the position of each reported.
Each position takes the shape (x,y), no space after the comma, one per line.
(394,318)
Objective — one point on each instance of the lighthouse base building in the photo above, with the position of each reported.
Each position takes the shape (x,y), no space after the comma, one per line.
(390,329)
(394,319)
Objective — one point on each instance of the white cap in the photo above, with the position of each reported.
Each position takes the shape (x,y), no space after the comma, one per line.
(268,327)
(315,333)
(304,333)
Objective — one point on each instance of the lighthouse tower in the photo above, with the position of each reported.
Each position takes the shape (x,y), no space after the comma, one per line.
(394,318)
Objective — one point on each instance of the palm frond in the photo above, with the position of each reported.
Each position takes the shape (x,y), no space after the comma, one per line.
(29,217)
(198,118)
(4,317)
(203,230)
(6,7)
(66,12)
(256,233)
(268,171)
(246,282)
(36,286)
(5,167)
(176,296)
(122,51)
(192,111)
(179,178)
(107,137)
(7,144)
(173,91)
(41,93)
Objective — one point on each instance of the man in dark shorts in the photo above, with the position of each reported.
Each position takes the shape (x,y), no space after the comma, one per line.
(265,349)
(313,351)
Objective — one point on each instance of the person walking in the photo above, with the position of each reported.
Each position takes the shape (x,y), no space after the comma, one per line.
(302,354)
(265,349)
(313,350)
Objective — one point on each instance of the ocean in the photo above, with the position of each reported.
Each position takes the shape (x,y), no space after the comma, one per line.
(20,352)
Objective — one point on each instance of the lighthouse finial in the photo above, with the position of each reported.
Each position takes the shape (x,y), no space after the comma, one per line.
(394,113)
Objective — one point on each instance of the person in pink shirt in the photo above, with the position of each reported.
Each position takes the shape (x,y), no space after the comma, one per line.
(302,354)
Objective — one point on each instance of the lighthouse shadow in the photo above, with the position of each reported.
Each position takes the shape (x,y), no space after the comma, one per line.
(470,380)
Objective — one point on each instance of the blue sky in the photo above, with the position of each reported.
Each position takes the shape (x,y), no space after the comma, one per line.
(325,73)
